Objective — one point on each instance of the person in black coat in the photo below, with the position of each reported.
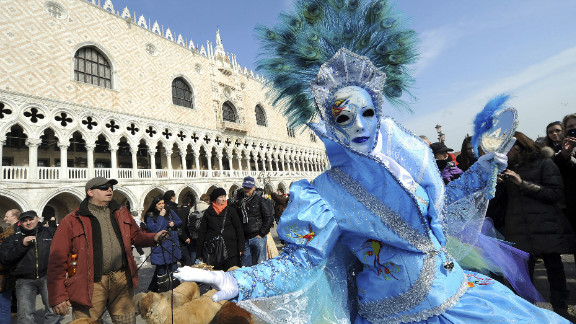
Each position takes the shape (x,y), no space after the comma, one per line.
(215,216)
(533,220)
(27,252)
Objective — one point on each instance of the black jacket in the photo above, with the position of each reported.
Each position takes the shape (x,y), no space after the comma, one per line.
(568,170)
(534,220)
(260,214)
(211,225)
(28,262)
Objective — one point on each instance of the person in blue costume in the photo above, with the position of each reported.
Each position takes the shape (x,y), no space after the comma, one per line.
(367,241)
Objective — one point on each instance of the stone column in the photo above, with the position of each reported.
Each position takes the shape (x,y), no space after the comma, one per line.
(113,161)
(197,159)
(134,152)
(183,162)
(276,163)
(168,154)
(63,159)
(152,154)
(90,159)
(240,162)
(219,157)
(270,163)
(209,161)
(2,142)
(33,157)
(247,158)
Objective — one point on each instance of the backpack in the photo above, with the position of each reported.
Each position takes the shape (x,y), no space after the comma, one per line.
(194,219)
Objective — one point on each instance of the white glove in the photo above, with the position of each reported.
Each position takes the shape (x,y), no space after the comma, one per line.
(224,282)
(487,160)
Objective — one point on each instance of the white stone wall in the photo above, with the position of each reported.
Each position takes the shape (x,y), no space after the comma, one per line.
(37,71)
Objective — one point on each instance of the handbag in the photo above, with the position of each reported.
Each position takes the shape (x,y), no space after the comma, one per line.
(214,250)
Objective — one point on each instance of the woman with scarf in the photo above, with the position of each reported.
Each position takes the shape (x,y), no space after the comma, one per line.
(221,219)
(166,255)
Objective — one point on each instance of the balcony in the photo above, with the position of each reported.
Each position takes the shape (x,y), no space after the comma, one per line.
(22,174)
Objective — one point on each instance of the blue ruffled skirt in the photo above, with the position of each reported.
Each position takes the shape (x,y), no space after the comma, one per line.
(488,301)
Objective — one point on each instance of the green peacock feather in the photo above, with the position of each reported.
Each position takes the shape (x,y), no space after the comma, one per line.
(309,35)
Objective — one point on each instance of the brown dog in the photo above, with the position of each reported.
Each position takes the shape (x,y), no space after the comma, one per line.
(157,308)
(231,313)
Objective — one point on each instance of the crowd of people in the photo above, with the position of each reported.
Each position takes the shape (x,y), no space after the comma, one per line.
(534,205)
(91,267)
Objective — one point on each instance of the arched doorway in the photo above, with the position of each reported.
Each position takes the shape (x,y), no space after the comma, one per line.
(61,205)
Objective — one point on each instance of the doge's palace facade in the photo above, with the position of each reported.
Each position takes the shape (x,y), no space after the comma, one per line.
(88,90)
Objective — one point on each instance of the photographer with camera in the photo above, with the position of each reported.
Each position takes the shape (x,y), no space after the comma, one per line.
(533,219)
(165,256)
(27,251)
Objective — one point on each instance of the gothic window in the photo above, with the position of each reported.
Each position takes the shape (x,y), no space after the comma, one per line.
(181,93)
(290,131)
(90,66)
(228,113)
(260,116)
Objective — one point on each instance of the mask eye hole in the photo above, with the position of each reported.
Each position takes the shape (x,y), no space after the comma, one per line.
(368,113)
(342,119)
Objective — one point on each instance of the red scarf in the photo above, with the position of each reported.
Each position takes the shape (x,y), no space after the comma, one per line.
(219,208)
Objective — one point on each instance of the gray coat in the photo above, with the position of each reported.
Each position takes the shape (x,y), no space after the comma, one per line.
(534,221)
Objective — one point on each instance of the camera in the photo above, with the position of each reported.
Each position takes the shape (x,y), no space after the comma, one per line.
(571,132)
(451,164)
(504,176)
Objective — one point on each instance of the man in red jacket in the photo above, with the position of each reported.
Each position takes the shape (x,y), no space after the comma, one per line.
(103,274)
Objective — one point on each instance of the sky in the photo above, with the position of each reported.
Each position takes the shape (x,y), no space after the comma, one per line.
(470,51)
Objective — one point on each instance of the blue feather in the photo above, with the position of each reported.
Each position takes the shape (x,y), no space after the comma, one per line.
(483,121)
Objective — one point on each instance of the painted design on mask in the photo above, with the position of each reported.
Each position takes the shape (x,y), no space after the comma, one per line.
(355,120)
(337,107)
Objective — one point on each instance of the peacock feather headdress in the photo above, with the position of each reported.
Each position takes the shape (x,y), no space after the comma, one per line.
(314,31)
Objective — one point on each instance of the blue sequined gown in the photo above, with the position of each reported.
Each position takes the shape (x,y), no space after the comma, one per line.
(365,244)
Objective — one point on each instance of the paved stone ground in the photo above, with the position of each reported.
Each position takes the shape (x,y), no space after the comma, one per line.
(541,283)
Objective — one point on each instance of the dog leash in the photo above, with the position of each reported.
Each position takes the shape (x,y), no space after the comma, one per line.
(161,240)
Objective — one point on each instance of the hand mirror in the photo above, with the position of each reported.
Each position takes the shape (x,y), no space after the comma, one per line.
(496,138)
(494,126)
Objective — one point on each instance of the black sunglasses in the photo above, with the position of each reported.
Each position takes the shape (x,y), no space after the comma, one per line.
(103,187)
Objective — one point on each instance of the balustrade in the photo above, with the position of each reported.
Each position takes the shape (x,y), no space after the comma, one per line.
(77,173)
(48,173)
(14,173)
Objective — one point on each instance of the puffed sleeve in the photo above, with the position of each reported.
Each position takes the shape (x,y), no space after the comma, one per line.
(310,230)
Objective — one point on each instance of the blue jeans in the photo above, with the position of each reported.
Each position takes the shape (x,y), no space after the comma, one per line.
(26,291)
(5,313)
(254,251)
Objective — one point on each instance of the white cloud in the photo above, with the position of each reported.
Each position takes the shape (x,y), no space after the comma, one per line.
(432,44)
(542,93)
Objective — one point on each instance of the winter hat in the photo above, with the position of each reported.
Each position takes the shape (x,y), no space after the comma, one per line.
(217,193)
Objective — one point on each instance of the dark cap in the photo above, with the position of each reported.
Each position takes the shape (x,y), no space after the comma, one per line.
(27,214)
(217,193)
(248,182)
(98,181)
(440,147)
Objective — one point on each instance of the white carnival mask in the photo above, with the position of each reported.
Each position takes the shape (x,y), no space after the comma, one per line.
(355,119)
